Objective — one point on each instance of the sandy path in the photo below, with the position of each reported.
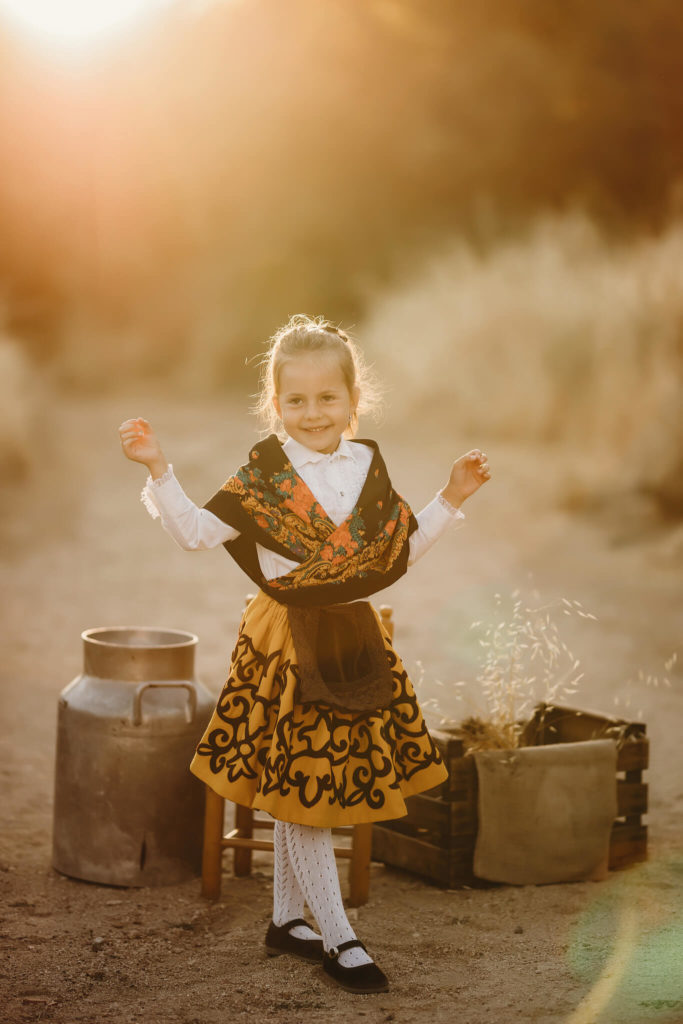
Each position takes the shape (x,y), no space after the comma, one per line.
(73,546)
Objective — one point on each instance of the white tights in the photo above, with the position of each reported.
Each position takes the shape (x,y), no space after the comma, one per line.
(305,869)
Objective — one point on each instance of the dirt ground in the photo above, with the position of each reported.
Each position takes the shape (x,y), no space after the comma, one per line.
(79,551)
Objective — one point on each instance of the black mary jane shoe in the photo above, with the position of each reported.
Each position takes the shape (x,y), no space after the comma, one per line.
(278,940)
(361,979)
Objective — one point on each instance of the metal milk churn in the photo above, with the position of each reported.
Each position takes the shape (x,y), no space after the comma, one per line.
(127,809)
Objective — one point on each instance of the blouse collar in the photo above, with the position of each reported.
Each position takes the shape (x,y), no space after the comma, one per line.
(299,455)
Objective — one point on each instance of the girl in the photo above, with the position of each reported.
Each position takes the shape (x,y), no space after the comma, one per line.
(318,722)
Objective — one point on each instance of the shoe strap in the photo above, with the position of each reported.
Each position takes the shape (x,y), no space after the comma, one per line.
(334,951)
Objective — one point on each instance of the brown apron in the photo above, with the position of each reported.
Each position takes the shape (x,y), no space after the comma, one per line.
(341,656)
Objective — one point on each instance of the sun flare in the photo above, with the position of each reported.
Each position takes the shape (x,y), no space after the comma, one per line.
(74,21)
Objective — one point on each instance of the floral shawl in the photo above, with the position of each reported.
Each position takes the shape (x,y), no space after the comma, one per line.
(269,503)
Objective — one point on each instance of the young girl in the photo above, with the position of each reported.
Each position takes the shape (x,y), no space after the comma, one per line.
(318,722)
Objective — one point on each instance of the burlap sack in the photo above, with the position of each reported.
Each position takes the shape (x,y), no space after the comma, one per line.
(545,813)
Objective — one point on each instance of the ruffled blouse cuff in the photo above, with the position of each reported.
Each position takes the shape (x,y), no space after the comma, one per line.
(147,493)
(456,513)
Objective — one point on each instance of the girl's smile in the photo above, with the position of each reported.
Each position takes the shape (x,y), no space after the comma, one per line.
(313,401)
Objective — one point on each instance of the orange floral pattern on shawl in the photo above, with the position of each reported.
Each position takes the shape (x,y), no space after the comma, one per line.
(292,516)
(269,501)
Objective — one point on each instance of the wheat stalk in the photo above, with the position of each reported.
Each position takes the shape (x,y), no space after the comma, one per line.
(523,661)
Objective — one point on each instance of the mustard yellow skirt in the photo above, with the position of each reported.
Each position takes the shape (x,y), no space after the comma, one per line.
(313,765)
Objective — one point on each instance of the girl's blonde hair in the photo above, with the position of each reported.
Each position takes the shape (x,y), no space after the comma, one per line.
(303,334)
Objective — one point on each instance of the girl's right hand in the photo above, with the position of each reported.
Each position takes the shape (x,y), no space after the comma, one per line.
(140,444)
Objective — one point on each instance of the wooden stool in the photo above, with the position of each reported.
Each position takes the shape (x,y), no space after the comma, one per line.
(241,838)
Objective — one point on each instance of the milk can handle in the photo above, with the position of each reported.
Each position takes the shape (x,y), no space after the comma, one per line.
(137,699)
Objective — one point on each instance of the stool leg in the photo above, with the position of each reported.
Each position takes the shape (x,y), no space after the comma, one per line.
(212,850)
(244,821)
(359,870)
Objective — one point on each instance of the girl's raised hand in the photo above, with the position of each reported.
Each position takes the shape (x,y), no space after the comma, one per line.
(469,472)
(140,444)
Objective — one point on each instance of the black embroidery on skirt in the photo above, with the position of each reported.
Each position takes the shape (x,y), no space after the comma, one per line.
(241,748)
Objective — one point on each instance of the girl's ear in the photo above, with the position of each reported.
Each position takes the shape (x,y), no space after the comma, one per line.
(355,397)
(276,406)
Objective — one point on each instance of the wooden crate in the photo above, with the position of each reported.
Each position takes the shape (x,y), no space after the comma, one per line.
(555,724)
(436,838)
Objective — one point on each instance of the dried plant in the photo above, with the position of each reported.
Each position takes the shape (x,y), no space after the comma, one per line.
(625,701)
(525,670)
(524,661)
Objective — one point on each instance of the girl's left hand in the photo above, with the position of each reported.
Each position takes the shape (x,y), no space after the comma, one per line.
(469,472)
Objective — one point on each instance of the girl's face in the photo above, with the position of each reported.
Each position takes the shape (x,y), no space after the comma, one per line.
(313,400)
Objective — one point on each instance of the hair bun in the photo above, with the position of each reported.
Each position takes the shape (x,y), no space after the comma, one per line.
(331,329)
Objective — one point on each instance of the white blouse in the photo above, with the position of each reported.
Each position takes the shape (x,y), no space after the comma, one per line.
(335,480)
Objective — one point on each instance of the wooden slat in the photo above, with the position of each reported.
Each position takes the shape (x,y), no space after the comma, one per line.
(426,812)
(459,841)
(269,824)
(623,831)
(438,817)
(462,778)
(410,854)
(461,866)
(233,842)
(406,828)
(631,798)
(449,744)
(449,866)
(554,723)
(464,818)
(461,844)
(634,755)
(441,816)
(436,792)
(572,725)
(628,845)
(263,823)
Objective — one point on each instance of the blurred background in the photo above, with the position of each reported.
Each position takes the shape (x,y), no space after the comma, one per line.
(489,195)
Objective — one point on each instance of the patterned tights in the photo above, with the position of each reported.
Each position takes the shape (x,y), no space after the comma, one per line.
(305,869)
